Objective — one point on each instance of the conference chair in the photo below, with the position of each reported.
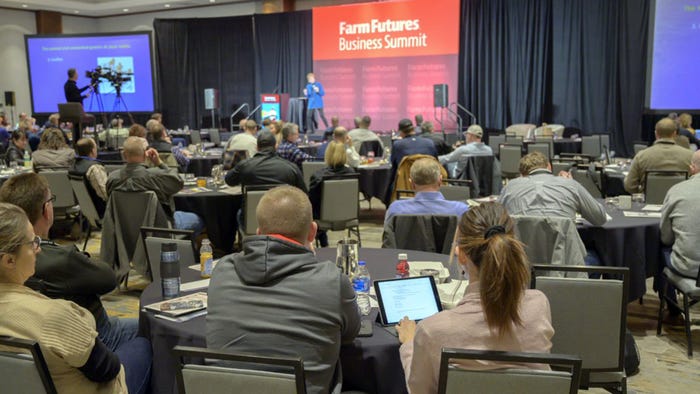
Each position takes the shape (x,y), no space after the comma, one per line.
(88,211)
(549,140)
(592,145)
(589,317)
(248,373)
(195,137)
(340,205)
(402,179)
(480,171)
(559,166)
(109,168)
(371,146)
(429,233)
(64,206)
(215,137)
(308,168)
(24,372)
(563,378)
(510,160)
(153,239)
(514,139)
(252,195)
(232,157)
(690,291)
(639,146)
(543,148)
(495,142)
(456,190)
(386,140)
(550,240)
(658,182)
(590,178)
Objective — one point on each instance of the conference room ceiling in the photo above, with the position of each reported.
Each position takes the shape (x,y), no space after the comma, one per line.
(97,8)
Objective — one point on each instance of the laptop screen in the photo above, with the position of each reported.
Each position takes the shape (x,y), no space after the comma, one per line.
(415,297)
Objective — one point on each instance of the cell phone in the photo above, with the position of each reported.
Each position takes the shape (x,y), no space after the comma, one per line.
(366,328)
(179,305)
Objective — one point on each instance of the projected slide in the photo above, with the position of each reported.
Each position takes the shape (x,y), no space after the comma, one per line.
(124,62)
(675,76)
(382,59)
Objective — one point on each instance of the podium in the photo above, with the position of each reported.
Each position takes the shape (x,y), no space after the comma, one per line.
(273,106)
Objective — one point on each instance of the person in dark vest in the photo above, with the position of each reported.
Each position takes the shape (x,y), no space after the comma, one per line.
(87,166)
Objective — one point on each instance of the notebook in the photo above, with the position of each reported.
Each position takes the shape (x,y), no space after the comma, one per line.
(415,297)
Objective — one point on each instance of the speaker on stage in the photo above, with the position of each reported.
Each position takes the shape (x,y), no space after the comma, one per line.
(9,99)
(211,99)
(440,95)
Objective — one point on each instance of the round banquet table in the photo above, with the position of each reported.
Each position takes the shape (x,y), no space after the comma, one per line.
(311,149)
(375,180)
(370,364)
(566,145)
(218,209)
(632,242)
(109,156)
(202,165)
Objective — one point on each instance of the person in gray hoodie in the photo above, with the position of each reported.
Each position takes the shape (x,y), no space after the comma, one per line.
(276,298)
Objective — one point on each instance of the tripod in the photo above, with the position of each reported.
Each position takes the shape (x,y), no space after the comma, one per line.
(97,98)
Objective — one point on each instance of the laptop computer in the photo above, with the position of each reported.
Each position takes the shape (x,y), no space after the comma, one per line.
(415,297)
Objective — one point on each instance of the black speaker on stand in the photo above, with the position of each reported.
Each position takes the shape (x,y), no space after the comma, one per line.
(211,102)
(440,95)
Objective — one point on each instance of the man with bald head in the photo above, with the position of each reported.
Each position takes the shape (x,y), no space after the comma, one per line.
(663,155)
(135,176)
(276,298)
(246,140)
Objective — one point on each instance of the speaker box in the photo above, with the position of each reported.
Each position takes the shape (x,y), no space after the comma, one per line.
(211,99)
(440,95)
(9,99)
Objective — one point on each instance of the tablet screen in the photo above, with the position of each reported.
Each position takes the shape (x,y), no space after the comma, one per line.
(414,297)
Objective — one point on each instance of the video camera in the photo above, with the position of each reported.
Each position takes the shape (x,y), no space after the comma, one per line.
(115,78)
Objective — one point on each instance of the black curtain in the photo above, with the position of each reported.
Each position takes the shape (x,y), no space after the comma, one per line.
(577,62)
(197,54)
(504,60)
(283,52)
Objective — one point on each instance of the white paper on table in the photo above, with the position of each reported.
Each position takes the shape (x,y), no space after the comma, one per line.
(636,214)
(652,207)
(196,285)
(182,318)
(417,266)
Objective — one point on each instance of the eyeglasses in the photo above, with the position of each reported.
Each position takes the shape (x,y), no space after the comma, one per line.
(35,242)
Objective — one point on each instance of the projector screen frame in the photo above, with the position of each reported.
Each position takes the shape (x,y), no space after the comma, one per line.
(151,49)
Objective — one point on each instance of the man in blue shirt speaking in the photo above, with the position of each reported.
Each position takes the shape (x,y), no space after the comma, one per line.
(426,180)
(314,93)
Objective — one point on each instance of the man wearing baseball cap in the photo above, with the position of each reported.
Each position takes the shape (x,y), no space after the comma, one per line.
(409,144)
(474,146)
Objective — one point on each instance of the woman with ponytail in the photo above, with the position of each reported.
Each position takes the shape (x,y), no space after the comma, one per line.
(497,312)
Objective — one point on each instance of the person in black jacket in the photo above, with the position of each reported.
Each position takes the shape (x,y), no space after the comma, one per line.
(266,167)
(70,88)
(336,159)
(63,271)
(428,132)
(18,145)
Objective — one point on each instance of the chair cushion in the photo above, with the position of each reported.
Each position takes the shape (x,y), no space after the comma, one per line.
(685,285)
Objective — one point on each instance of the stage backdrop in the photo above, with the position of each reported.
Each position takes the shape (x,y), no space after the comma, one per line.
(382,59)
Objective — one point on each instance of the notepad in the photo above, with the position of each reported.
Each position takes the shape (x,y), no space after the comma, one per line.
(637,214)
(652,207)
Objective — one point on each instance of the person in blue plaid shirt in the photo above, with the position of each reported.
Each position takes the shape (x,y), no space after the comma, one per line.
(288,148)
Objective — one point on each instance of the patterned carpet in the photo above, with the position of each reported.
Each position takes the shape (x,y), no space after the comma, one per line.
(664,368)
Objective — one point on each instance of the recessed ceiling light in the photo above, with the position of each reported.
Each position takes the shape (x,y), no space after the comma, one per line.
(167,6)
(24,6)
(77,12)
(212,1)
(125,10)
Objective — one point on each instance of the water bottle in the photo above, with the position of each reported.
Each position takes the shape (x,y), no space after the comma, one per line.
(170,270)
(27,160)
(361,282)
(206,258)
(402,267)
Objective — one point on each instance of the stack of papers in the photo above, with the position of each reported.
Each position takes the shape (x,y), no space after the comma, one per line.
(653,207)
(193,190)
(180,309)
(643,214)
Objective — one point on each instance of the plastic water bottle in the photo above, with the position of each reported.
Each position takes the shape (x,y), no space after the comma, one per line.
(27,160)
(170,270)
(206,258)
(402,267)
(361,282)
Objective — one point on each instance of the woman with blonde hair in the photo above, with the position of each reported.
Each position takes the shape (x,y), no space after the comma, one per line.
(497,311)
(53,151)
(336,160)
(685,121)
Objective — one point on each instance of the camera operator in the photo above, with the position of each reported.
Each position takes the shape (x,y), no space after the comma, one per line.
(71,90)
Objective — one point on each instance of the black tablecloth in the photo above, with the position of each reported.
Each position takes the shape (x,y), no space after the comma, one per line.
(201,166)
(374,182)
(567,146)
(218,209)
(109,156)
(309,149)
(371,364)
(627,242)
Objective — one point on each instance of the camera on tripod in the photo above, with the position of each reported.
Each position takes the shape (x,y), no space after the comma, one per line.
(115,78)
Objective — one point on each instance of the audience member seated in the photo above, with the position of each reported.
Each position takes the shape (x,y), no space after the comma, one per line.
(328,132)
(474,146)
(663,155)
(288,148)
(116,131)
(246,140)
(501,315)
(135,176)
(53,151)
(428,131)
(54,121)
(318,312)
(137,130)
(680,228)
(685,121)
(64,271)
(266,167)
(78,361)
(682,131)
(87,166)
(15,151)
(160,141)
(419,124)
(362,133)
(340,134)
(426,179)
(409,144)
(336,160)
(4,130)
